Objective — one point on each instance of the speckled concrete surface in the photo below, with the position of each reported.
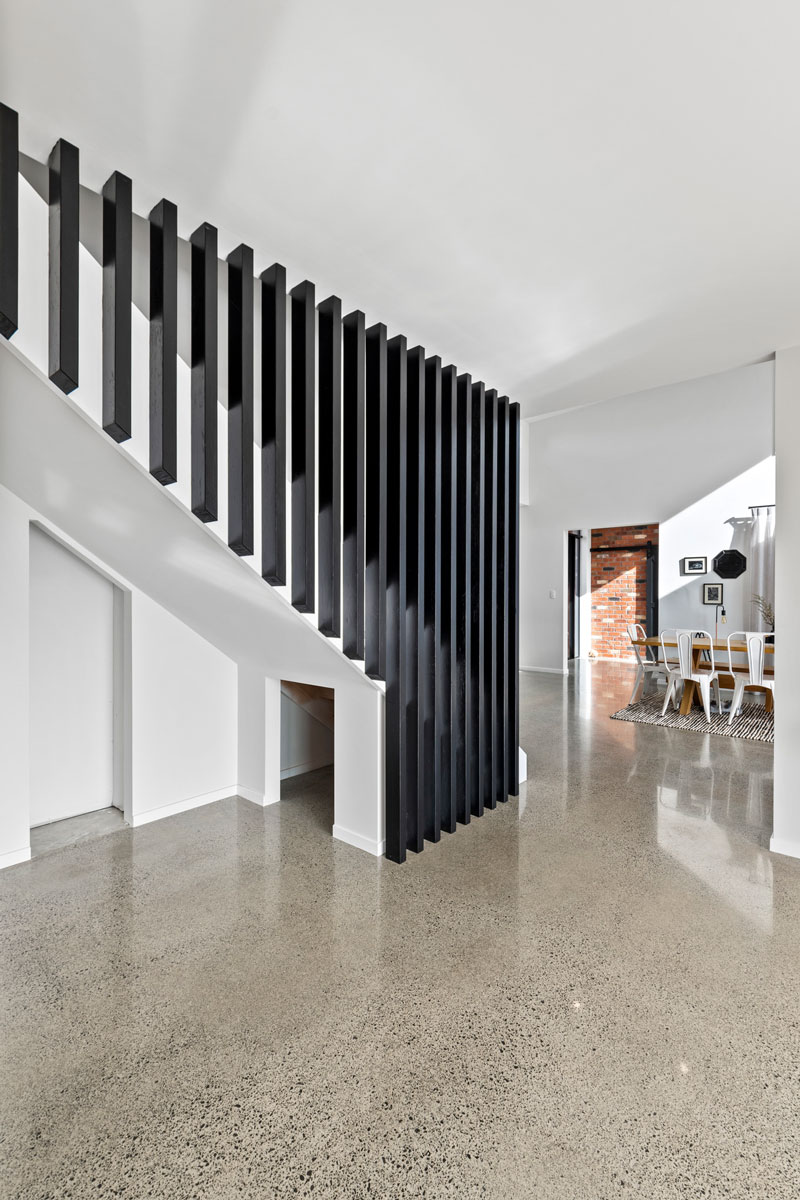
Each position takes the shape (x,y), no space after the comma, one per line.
(593,992)
(75,829)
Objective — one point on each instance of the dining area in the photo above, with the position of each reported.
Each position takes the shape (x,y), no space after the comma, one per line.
(719,685)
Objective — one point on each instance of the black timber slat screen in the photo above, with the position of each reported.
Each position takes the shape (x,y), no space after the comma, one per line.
(64,231)
(376,502)
(446,696)
(432,780)
(477,770)
(204,358)
(9,220)
(513,594)
(329,349)
(421,787)
(490,629)
(501,672)
(117,297)
(273,424)
(164,342)
(396,722)
(462,682)
(353,476)
(303,445)
(240,400)
(403,481)
(452,663)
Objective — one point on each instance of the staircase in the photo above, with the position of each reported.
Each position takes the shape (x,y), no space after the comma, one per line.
(311,497)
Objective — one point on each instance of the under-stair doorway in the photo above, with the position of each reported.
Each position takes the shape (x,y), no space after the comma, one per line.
(307,715)
(307,722)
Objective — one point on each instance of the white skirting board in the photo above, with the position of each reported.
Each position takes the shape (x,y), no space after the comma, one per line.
(789,849)
(544,670)
(15,856)
(304,768)
(171,810)
(359,841)
(259,798)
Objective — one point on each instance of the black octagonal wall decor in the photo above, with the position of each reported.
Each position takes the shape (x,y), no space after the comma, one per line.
(730,564)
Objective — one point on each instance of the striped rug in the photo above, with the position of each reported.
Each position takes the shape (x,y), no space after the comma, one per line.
(752,723)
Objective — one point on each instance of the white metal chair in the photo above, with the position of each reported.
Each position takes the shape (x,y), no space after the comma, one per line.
(756,660)
(687,641)
(646,667)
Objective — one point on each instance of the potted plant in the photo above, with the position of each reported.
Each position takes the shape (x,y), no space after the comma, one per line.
(767,610)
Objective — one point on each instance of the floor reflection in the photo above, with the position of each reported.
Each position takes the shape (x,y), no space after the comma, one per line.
(713,819)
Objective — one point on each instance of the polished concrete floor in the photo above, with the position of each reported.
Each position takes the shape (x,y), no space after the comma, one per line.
(57,834)
(592,992)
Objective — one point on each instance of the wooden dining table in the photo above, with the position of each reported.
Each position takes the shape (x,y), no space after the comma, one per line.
(691,692)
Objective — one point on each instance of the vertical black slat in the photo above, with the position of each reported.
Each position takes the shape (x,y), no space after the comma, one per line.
(273,424)
(513,599)
(501,732)
(422,790)
(353,451)
(462,679)
(117,298)
(446,699)
(329,325)
(164,342)
(397,779)
(64,222)
(303,445)
(476,601)
(490,602)
(240,400)
(204,353)
(375,502)
(9,221)
(431,625)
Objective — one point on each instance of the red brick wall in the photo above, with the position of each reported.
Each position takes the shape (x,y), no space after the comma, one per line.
(619,587)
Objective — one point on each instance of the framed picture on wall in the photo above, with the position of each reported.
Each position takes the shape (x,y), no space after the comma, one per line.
(695,565)
(712,593)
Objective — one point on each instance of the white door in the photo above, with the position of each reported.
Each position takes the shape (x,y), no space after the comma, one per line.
(71,684)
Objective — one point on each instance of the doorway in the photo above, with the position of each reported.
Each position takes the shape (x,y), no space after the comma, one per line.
(307,722)
(75,683)
(624,587)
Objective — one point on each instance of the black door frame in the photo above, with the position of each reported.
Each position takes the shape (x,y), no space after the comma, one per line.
(573,592)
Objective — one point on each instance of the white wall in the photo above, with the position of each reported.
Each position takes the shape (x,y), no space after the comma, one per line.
(72,677)
(184,715)
(638,459)
(259,755)
(718,521)
(786,800)
(359,749)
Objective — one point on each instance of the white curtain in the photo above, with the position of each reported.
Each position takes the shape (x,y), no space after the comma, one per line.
(761,561)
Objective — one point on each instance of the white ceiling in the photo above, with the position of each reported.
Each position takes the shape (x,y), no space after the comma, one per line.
(571,200)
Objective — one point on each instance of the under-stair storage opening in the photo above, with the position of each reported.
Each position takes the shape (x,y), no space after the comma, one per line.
(307,723)
(76,685)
